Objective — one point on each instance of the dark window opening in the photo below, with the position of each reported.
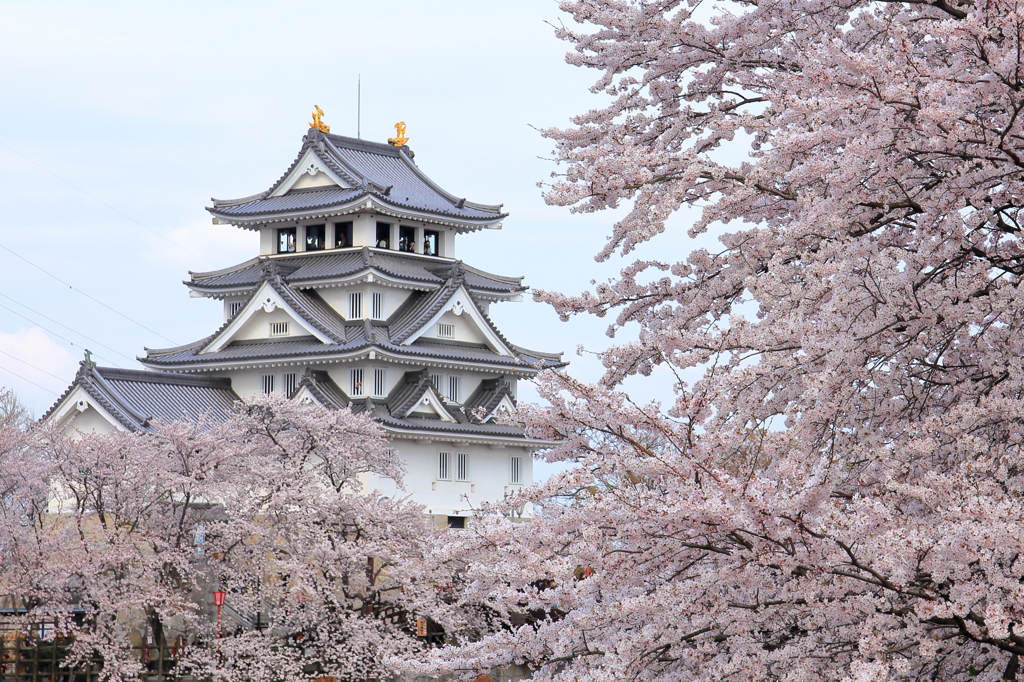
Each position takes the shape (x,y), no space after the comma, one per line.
(315,239)
(456,521)
(343,235)
(407,239)
(286,240)
(383,235)
(431,240)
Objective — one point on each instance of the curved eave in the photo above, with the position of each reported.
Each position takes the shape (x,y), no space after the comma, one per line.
(360,277)
(494,293)
(366,202)
(463,437)
(509,365)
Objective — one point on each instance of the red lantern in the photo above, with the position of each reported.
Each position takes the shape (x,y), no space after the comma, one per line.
(218,601)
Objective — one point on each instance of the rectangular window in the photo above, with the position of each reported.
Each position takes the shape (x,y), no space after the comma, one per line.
(515,470)
(444,466)
(446,331)
(355,382)
(407,239)
(455,388)
(233,307)
(377,305)
(462,466)
(315,237)
(279,329)
(343,235)
(457,522)
(383,236)
(380,382)
(289,381)
(438,381)
(267,383)
(431,242)
(286,240)
(355,305)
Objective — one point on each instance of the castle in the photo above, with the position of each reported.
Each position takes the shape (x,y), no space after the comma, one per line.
(355,301)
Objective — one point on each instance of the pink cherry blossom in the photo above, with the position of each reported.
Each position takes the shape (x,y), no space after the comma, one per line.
(132,532)
(837,494)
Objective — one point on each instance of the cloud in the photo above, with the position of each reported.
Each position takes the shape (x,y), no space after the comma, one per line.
(202,246)
(35,367)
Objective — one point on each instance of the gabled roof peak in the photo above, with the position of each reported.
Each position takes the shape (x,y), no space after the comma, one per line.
(361,170)
(316,138)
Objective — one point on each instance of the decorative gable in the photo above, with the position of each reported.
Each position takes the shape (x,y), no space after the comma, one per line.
(461,312)
(265,308)
(81,412)
(429,404)
(415,395)
(310,172)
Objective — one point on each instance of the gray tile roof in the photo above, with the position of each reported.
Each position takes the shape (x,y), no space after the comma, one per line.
(298,200)
(418,309)
(135,397)
(380,412)
(308,304)
(323,388)
(488,396)
(408,393)
(325,266)
(310,348)
(386,173)
(350,337)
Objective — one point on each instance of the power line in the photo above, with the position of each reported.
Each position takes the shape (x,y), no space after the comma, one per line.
(38,369)
(4,369)
(97,199)
(73,331)
(87,295)
(63,338)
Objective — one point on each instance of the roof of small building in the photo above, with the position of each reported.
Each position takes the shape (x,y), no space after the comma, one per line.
(384,172)
(310,269)
(137,397)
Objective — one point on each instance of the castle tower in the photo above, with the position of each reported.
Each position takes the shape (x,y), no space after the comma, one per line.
(355,301)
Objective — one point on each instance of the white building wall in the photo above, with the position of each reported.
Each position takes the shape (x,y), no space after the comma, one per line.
(258,326)
(465,329)
(489,479)
(337,298)
(89,421)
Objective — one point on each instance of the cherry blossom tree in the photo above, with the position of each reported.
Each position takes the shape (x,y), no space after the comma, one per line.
(12,411)
(122,539)
(835,490)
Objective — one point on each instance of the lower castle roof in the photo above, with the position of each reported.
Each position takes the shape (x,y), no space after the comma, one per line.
(138,398)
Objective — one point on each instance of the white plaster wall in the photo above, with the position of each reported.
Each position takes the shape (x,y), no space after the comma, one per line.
(337,298)
(341,374)
(89,421)
(268,241)
(364,230)
(308,181)
(465,329)
(258,326)
(446,248)
(489,475)
(247,382)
